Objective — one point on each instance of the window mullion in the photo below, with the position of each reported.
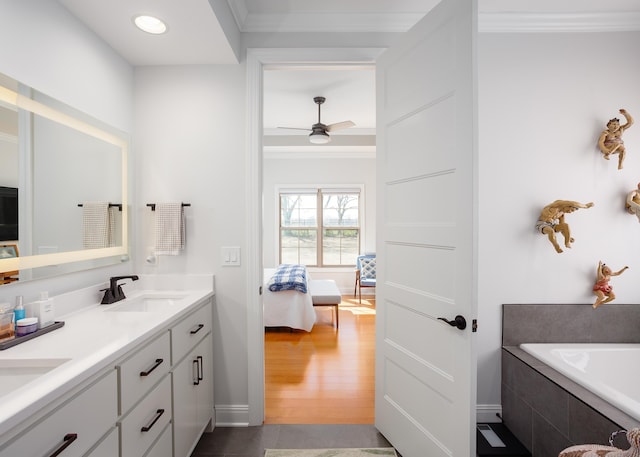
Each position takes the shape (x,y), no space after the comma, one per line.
(320,229)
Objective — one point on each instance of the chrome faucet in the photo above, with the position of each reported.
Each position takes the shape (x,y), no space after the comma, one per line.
(114,293)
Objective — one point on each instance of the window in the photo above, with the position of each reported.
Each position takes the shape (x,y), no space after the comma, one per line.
(320,227)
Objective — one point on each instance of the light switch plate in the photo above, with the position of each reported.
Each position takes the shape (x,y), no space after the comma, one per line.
(230,256)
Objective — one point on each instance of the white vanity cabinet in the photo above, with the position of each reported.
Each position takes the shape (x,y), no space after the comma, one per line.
(153,399)
(192,377)
(74,426)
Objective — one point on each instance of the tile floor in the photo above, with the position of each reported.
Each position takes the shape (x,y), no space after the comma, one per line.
(252,441)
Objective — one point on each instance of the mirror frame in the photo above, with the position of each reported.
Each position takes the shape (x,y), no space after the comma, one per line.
(42,260)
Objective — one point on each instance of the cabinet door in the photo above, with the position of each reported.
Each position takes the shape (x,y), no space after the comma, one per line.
(204,390)
(192,397)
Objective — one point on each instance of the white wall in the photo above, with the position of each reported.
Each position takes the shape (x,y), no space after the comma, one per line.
(46,48)
(190,147)
(544,99)
(316,170)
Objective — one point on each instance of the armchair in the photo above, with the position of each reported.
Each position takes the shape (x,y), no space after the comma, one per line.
(365,273)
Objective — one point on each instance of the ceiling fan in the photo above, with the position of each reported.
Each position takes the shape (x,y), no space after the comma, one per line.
(319,131)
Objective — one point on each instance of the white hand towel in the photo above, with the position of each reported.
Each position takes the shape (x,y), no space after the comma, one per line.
(170,228)
(97,225)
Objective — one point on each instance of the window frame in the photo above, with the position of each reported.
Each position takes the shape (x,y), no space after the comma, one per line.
(320,191)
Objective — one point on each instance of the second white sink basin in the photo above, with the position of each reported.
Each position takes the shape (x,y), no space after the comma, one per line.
(15,373)
(145,303)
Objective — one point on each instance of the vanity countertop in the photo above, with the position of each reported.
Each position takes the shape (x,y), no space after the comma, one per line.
(93,338)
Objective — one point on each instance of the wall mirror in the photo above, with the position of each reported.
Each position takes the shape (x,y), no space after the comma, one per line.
(63,187)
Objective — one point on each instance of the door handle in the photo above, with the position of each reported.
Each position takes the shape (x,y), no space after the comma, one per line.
(459,322)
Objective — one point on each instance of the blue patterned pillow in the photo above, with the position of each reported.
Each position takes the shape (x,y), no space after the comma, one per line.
(368,268)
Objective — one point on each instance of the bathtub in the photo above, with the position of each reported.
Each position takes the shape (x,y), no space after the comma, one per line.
(611,371)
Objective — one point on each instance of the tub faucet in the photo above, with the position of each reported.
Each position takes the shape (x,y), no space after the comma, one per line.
(114,293)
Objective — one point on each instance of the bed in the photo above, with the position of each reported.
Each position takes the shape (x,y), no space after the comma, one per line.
(287,308)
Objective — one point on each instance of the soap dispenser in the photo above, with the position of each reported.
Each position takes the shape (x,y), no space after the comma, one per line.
(44,310)
(18,311)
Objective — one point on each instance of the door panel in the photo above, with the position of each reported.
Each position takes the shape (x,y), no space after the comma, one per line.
(426,168)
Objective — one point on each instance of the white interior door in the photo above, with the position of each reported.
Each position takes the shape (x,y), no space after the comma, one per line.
(426,149)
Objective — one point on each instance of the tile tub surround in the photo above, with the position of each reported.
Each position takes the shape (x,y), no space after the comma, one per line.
(610,323)
(544,409)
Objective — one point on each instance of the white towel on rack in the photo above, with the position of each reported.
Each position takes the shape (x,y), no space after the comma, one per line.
(98,225)
(170,228)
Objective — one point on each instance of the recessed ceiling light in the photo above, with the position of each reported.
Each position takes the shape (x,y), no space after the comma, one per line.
(150,24)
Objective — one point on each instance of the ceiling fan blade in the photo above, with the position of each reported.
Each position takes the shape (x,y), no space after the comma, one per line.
(339,126)
(295,128)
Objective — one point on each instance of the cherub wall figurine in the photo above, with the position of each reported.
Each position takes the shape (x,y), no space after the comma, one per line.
(610,141)
(552,220)
(633,202)
(601,288)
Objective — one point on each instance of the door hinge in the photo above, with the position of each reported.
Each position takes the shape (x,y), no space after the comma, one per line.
(474,325)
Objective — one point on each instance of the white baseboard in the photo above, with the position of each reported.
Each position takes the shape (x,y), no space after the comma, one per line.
(488,413)
(232,415)
(238,415)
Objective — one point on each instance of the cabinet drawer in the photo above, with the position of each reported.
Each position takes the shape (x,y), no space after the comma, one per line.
(186,333)
(77,425)
(164,445)
(108,447)
(142,370)
(140,428)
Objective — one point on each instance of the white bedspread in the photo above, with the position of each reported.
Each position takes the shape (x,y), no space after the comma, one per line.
(287,308)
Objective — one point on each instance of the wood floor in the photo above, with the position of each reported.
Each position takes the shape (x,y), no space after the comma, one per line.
(325,376)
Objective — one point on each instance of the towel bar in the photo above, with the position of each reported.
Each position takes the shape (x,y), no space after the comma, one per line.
(153,205)
(111,205)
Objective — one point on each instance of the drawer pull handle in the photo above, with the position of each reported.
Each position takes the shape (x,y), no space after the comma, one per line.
(159,413)
(200,368)
(195,372)
(200,327)
(155,365)
(67,440)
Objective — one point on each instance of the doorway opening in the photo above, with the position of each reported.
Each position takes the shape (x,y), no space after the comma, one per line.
(326,375)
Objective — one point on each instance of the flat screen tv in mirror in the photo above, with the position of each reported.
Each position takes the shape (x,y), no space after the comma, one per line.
(8,213)
(65,161)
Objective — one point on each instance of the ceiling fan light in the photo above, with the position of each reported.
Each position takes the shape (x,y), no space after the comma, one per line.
(319,138)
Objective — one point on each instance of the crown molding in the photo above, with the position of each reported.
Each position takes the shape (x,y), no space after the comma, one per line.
(488,22)
(325,22)
(558,22)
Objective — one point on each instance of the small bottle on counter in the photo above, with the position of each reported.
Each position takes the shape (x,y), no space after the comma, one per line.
(44,310)
(19,311)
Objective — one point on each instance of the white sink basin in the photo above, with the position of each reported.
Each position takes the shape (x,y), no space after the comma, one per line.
(15,373)
(145,303)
